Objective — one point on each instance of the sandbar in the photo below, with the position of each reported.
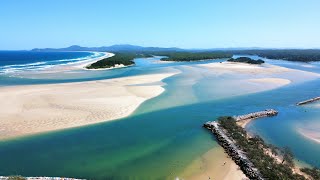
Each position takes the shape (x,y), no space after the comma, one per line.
(31,109)
(311,134)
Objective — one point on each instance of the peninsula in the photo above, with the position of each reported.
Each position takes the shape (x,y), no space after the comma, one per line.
(257,159)
(119,59)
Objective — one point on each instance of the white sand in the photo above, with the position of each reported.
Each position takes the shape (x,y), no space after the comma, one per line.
(308,65)
(76,65)
(246,68)
(84,64)
(214,164)
(39,108)
(72,66)
(264,69)
(311,134)
(256,78)
(276,81)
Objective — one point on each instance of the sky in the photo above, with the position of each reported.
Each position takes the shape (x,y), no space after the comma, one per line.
(163,23)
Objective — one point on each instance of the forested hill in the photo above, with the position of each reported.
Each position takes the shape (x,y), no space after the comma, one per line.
(193,56)
(113,48)
(302,55)
(178,54)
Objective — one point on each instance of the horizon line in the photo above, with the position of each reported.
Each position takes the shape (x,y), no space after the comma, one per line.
(213,48)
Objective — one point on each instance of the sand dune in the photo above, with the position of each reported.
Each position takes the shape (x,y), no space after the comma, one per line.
(39,108)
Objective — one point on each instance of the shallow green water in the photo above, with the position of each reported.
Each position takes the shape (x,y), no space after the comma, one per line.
(164,135)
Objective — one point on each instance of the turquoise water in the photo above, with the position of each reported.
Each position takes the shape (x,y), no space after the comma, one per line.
(164,135)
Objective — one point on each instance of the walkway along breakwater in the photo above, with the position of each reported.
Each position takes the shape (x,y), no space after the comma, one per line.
(255,115)
(230,146)
(308,101)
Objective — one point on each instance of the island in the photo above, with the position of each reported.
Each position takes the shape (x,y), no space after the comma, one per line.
(192,56)
(246,60)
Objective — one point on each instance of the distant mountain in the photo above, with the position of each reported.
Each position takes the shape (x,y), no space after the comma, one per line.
(133,48)
(114,48)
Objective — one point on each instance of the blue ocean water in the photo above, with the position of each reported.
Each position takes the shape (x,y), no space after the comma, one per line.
(17,61)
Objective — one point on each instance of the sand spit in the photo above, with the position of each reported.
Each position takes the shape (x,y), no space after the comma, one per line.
(39,108)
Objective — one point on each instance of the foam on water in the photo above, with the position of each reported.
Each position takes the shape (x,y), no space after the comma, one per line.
(42,65)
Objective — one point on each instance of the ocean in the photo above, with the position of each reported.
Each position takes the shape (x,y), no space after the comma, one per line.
(14,61)
(29,67)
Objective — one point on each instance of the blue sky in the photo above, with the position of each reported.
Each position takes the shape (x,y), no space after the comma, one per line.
(165,23)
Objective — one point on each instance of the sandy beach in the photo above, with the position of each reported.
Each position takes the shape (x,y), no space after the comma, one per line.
(244,123)
(40,108)
(215,164)
(78,65)
(251,78)
(268,70)
(246,68)
(84,64)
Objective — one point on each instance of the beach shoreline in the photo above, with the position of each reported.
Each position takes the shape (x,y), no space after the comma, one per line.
(84,65)
(214,164)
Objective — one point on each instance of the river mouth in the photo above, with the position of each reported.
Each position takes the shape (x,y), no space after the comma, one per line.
(164,135)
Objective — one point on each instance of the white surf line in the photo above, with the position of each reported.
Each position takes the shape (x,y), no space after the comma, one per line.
(85,63)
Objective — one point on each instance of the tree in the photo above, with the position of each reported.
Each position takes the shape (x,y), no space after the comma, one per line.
(274,149)
(287,156)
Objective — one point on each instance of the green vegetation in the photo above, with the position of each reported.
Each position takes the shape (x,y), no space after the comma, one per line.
(119,58)
(302,55)
(314,173)
(246,60)
(192,56)
(256,149)
(127,58)
(16,178)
